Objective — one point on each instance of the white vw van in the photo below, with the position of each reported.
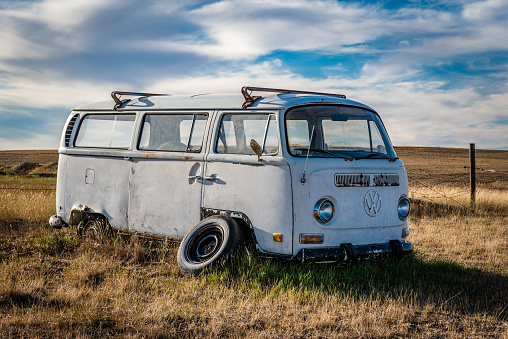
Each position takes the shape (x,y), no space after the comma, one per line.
(304,175)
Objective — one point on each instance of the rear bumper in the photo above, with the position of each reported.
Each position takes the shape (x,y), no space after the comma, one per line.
(349,252)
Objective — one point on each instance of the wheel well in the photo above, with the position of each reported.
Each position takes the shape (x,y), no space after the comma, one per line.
(78,216)
(247,231)
(242,220)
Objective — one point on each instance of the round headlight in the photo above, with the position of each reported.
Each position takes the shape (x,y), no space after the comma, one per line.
(323,210)
(404,207)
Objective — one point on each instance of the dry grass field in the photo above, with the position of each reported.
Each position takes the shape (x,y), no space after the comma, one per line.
(455,284)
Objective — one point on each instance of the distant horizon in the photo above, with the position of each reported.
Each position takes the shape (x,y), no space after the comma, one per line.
(466,147)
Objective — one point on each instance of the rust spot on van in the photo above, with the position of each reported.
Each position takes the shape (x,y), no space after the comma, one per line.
(386,180)
(133,170)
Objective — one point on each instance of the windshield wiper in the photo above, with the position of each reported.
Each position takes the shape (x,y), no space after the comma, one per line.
(377,155)
(319,150)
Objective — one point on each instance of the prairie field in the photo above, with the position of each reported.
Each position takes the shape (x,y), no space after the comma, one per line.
(454,285)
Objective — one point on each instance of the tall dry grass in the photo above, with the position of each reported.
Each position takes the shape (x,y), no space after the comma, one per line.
(54,284)
(130,288)
(28,206)
(25,204)
(486,200)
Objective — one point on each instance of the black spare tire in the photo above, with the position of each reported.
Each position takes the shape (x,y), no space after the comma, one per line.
(207,243)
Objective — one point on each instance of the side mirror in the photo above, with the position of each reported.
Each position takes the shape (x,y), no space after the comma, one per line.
(256,148)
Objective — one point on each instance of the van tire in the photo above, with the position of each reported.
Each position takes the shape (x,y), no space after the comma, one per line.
(207,243)
(97,231)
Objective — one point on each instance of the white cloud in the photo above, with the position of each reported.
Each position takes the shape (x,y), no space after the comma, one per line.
(399,43)
(49,91)
(485,10)
(415,113)
(43,29)
(31,141)
(60,15)
(235,31)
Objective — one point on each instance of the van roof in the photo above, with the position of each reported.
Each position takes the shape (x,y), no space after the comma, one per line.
(283,100)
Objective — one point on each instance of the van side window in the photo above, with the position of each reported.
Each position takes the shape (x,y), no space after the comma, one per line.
(173,132)
(237,130)
(105,131)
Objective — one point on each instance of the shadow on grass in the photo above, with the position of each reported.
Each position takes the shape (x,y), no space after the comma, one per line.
(446,284)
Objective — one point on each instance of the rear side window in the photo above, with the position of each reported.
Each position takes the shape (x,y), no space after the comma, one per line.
(105,131)
(173,132)
(237,130)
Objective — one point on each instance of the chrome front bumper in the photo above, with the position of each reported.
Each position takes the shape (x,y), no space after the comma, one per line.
(349,252)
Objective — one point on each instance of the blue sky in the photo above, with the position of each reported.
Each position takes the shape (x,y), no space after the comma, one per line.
(436,71)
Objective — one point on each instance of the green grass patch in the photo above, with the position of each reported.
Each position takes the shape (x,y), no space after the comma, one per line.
(27,181)
(56,243)
(425,280)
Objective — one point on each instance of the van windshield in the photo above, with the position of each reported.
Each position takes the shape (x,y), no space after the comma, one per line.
(337,131)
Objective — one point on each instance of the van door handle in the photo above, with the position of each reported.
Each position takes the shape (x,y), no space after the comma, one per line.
(127,158)
(212,177)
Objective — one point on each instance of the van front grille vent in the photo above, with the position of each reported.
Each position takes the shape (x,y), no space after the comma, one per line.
(342,180)
(357,180)
(68,131)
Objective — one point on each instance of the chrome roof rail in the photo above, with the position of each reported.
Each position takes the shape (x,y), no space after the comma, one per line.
(249,99)
(117,94)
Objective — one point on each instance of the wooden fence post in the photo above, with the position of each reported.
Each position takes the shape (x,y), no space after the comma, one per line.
(472,180)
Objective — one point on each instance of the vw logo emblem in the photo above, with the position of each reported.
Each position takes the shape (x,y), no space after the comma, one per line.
(372,203)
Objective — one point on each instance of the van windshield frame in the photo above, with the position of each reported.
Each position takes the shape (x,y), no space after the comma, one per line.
(333,131)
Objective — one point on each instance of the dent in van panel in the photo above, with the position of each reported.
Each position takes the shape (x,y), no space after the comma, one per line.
(263,193)
(107,195)
(165,196)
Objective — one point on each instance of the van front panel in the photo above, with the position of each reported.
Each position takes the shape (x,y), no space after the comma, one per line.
(363,214)
(341,155)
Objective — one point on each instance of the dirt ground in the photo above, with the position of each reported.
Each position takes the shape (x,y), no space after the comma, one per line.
(13,158)
(54,284)
(450,166)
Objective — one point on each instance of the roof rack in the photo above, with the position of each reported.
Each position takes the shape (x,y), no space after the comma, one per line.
(249,99)
(117,94)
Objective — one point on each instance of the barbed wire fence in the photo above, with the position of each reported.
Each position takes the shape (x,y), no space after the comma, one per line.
(436,195)
(431,192)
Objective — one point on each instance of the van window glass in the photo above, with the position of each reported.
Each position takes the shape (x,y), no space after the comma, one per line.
(197,133)
(377,139)
(237,130)
(272,141)
(298,133)
(346,133)
(337,131)
(105,131)
(173,132)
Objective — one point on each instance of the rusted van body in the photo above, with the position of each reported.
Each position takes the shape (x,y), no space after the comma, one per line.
(302,174)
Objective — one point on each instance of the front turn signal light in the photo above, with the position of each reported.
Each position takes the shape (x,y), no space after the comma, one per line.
(309,238)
